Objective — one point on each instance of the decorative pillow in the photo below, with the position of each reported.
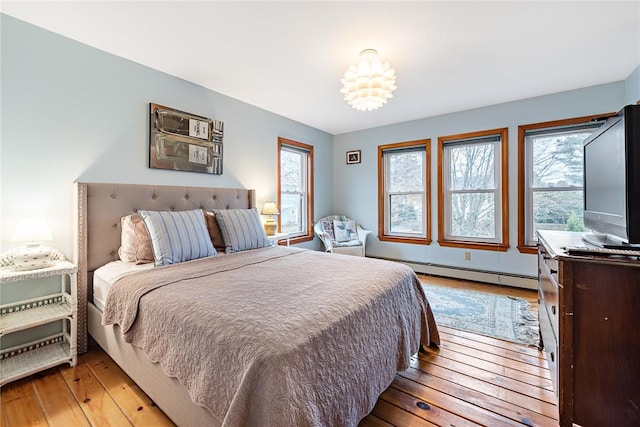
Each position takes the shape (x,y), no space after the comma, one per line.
(214,231)
(327,227)
(135,243)
(127,250)
(241,229)
(178,236)
(345,230)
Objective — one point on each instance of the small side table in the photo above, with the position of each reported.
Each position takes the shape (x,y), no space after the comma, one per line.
(59,307)
(274,238)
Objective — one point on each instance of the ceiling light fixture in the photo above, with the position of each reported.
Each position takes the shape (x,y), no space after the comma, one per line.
(368,84)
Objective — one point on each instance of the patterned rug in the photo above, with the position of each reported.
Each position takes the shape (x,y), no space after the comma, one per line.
(504,317)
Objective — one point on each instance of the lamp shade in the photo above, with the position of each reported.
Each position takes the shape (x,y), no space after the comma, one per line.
(270,208)
(32,231)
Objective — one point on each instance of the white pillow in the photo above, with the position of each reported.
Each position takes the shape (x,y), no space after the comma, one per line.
(241,229)
(135,242)
(177,236)
(345,230)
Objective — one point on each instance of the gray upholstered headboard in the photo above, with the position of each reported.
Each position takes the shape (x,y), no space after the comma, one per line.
(99,207)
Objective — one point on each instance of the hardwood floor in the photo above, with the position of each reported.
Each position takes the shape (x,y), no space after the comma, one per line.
(470,380)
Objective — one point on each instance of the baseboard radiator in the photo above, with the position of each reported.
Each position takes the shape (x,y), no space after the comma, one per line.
(494,277)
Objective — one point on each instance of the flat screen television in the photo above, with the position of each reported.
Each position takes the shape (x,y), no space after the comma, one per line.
(612,181)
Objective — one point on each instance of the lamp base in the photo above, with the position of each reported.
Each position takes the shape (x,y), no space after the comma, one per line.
(270,228)
(32,257)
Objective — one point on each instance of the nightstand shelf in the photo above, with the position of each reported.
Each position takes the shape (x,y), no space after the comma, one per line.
(59,308)
(37,359)
(31,317)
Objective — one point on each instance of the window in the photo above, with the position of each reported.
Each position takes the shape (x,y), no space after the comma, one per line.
(295,189)
(550,162)
(403,192)
(472,190)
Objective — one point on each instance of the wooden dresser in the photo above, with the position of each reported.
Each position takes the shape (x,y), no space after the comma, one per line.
(590,326)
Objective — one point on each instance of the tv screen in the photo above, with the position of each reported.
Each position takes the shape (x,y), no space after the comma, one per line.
(611,205)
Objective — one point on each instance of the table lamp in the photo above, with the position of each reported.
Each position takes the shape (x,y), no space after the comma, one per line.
(32,255)
(270,209)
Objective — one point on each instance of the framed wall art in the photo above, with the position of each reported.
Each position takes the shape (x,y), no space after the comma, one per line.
(353,157)
(184,141)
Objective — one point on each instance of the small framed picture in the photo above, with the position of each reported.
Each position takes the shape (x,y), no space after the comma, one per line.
(353,157)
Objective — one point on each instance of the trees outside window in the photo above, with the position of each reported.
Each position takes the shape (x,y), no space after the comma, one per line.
(550,193)
(295,189)
(472,184)
(403,186)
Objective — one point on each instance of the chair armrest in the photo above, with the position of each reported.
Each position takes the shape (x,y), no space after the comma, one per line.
(362,234)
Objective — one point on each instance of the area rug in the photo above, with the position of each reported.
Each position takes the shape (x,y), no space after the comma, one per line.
(499,316)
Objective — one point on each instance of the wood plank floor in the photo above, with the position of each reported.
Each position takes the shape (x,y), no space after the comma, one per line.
(470,380)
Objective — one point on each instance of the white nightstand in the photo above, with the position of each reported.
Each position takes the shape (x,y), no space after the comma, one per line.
(61,307)
(278,236)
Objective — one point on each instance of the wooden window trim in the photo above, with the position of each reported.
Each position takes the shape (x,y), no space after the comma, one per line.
(308,236)
(522,130)
(404,239)
(503,245)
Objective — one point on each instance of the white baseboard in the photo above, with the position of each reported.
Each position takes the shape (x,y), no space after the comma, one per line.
(494,277)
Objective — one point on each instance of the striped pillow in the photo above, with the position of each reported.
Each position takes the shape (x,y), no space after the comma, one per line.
(241,229)
(177,236)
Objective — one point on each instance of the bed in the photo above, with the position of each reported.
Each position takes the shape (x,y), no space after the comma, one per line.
(265,336)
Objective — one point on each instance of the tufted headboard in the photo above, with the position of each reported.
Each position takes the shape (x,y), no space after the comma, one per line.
(99,207)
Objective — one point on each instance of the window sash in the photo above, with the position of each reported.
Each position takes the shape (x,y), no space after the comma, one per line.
(476,234)
(298,199)
(418,231)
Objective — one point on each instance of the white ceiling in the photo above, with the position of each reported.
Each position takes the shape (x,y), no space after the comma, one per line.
(288,57)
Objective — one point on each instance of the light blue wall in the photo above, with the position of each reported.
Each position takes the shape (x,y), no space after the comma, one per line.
(632,87)
(355,186)
(72,112)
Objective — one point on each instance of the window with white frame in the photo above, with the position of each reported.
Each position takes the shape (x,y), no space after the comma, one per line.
(473,190)
(295,188)
(553,171)
(403,204)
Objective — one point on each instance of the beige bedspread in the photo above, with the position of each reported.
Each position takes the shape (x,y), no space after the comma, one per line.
(277,336)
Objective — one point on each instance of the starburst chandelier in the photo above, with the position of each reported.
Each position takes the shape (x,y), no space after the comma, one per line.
(368,84)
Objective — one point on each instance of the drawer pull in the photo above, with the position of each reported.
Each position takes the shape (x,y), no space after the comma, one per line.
(552,271)
(553,309)
(553,356)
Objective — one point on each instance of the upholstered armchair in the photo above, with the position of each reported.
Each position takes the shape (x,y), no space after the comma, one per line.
(341,235)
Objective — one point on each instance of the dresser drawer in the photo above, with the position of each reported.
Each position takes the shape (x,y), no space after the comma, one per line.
(550,264)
